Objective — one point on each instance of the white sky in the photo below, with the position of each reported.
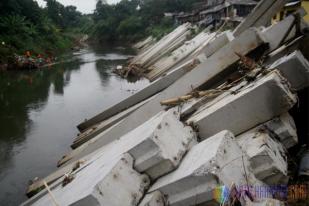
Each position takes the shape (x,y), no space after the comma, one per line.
(85,6)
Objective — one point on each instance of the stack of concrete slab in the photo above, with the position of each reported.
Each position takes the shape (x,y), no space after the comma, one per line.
(167,62)
(167,44)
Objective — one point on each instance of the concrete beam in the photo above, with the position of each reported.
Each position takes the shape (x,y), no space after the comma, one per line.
(213,162)
(100,183)
(252,105)
(284,129)
(107,123)
(295,68)
(266,155)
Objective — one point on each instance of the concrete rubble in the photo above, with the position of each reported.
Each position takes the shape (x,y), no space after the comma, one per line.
(220,113)
(266,155)
(215,161)
(247,42)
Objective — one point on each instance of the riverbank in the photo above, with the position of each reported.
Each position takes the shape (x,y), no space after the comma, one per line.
(39,56)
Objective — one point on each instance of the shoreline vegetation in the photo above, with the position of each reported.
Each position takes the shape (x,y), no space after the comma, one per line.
(44,33)
(30,34)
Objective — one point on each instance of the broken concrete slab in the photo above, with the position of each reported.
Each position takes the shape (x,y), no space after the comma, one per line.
(100,183)
(252,105)
(157,146)
(153,199)
(295,68)
(266,155)
(284,129)
(260,16)
(213,162)
(163,150)
(213,66)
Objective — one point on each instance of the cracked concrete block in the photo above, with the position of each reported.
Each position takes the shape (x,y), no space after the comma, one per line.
(266,155)
(284,129)
(153,199)
(164,147)
(99,183)
(253,104)
(295,68)
(213,162)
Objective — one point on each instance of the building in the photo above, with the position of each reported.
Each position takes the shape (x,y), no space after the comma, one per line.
(214,12)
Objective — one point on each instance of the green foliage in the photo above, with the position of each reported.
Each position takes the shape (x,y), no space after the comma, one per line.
(123,21)
(26,26)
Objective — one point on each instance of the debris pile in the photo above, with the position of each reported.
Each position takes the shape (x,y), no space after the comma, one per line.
(217,125)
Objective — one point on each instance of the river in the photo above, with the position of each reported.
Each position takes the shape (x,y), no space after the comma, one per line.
(39,111)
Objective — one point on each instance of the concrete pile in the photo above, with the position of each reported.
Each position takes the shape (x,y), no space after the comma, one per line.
(217,125)
(177,56)
(155,52)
